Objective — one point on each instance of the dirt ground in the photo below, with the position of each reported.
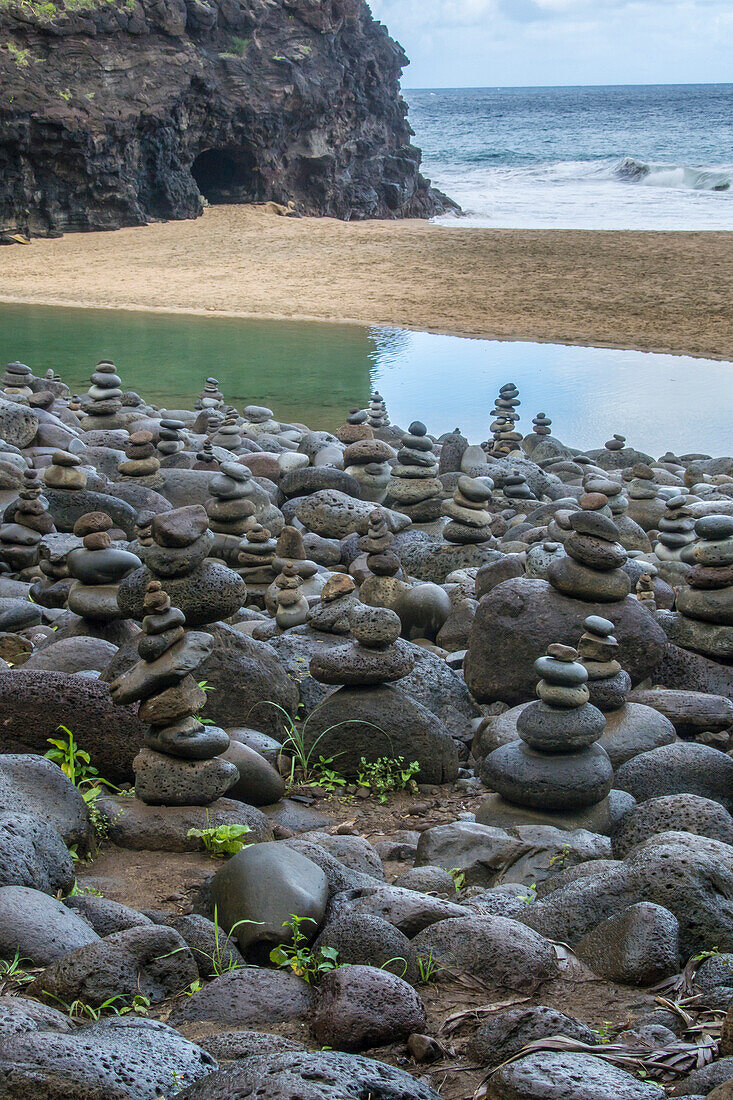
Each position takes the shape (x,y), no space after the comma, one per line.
(667,292)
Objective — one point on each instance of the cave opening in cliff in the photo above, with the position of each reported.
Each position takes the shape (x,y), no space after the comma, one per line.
(227,175)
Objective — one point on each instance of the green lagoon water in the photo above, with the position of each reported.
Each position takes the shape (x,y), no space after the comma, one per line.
(314,372)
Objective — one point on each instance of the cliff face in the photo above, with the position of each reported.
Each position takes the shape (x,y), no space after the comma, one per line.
(113,112)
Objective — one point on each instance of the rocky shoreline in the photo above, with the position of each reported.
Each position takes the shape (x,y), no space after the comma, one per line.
(359,764)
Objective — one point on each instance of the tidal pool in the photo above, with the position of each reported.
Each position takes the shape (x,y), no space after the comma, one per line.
(314,372)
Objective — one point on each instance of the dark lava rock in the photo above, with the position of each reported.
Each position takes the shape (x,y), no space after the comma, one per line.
(19,1081)
(533,615)
(361,939)
(681,768)
(680,668)
(213,950)
(507,1032)
(76,654)
(230,1046)
(312,1075)
(35,703)
(33,785)
(32,853)
(133,824)
(311,479)
(496,949)
(687,813)
(105,916)
(253,997)
(639,946)
(555,1075)
(360,1007)
(236,134)
(122,1056)
(20,1014)
(259,784)
(40,928)
(706,1079)
(150,960)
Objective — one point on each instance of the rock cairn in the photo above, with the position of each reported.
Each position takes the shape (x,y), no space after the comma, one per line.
(645,505)
(339,597)
(557,764)
(97,567)
(259,420)
(51,589)
(64,472)
(17,380)
(542,425)
(415,489)
(591,569)
(227,434)
(255,561)
(617,443)
(377,417)
(211,396)
(376,656)
(20,539)
(631,535)
(469,521)
(102,401)
(515,487)
(170,439)
(676,532)
(506,437)
(645,591)
(205,458)
(355,428)
(292,604)
(368,462)
(383,585)
(703,619)
(141,459)
(181,762)
(230,511)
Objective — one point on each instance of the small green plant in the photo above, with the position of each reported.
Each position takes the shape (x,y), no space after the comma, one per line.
(427,968)
(304,767)
(559,859)
(66,95)
(223,840)
(73,761)
(326,777)
(113,1006)
(239,45)
(300,957)
(13,972)
(221,959)
(386,775)
(19,56)
(458,876)
(605,1031)
(194,987)
(78,891)
(531,895)
(705,955)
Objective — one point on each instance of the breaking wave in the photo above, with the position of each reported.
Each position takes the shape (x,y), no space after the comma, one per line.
(674,175)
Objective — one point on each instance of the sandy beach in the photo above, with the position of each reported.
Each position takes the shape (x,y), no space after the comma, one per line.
(669,292)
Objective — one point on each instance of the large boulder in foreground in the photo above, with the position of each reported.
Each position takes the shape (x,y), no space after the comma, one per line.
(518,619)
(33,786)
(557,1075)
(35,703)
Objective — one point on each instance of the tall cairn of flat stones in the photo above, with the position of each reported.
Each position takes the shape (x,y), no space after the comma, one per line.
(181,762)
(503,429)
(703,619)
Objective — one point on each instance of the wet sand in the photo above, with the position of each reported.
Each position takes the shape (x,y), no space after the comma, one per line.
(667,292)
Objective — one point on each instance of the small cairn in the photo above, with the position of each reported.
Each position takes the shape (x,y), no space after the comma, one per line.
(292,605)
(64,472)
(230,511)
(616,444)
(646,507)
(355,428)
(515,487)
(255,561)
(331,615)
(415,489)
(97,568)
(557,765)
(376,544)
(368,462)
(631,535)
(630,727)
(259,420)
(141,459)
(181,762)
(506,437)
(676,532)
(74,406)
(591,569)
(170,440)
(290,548)
(211,396)
(17,380)
(102,401)
(227,434)
(541,425)
(376,656)
(377,417)
(143,532)
(468,516)
(52,588)
(703,619)
(20,539)
(645,591)
(206,459)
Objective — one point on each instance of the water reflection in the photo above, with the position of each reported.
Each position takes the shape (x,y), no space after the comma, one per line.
(315,372)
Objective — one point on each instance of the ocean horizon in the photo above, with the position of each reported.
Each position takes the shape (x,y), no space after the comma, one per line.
(632,156)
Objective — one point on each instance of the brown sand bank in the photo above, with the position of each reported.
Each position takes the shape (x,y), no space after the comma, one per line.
(647,290)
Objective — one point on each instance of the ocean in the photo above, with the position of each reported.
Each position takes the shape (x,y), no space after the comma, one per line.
(633,157)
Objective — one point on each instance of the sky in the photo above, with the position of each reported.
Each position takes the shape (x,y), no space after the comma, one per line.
(485,43)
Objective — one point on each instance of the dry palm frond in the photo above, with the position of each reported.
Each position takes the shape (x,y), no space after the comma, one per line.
(457,1019)
(663,1064)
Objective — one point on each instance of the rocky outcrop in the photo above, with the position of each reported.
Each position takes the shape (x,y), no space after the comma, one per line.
(115,112)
